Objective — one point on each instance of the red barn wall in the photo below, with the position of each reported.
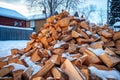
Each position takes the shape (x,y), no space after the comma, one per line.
(11,21)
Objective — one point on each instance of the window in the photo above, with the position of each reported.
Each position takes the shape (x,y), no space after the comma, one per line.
(32,24)
(15,23)
(20,23)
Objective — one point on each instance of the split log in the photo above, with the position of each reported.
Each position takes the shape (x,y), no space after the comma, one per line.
(84,34)
(51,19)
(106,34)
(28,73)
(44,53)
(4,71)
(35,57)
(29,53)
(109,60)
(79,41)
(85,72)
(45,43)
(2,58)
(118,67)
(13,60)
(3,63)
(14,51)
(109,51)
(55,59)
(28,47)
(96,45)
(48,74)
(116,36)
(79,61)
(92,59)
(117,44)
(104,39)
(6,78)
(117,52)
(72,48)
(44,69)
(109,44)
(67,38)
(101,67)
(84,25)
(64,22)
(75,34)
(56,73)
(38,78)
(83,48)
(17,75)
(58,51)
(71,71)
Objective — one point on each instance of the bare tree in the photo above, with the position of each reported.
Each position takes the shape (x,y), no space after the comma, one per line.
(50,6)
(87,10)
(102,16)
(71,4)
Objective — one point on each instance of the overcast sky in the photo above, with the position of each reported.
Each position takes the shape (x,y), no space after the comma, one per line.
(19,5)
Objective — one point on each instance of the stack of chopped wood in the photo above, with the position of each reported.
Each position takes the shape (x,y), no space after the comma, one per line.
(66,48)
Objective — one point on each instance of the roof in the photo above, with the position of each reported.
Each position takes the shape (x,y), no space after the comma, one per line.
(37,16)
(11,13)
(117,24)
(3,26)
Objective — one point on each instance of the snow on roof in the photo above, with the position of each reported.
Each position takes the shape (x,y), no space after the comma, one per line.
(117,24)
(3,26)
(37,16)
(11,13)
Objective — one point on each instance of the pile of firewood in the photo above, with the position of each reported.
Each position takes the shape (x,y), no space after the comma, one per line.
(64,49)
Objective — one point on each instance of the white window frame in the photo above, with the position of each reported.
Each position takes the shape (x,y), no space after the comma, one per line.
(32,24)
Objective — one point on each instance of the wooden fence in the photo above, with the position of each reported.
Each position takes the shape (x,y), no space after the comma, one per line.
(14,33)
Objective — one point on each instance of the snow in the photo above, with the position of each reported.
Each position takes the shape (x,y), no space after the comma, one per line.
(30,63)
(68,56)
(3,26)
(35,67)
(6,46)
(84,45)
(17,66)
(37,16)
(117,24)
(34,33)
(101,42)
(70,28)
(88,32)
(105,74)
(22,57)
(97,51)
(79,18)
(96,35)
(49,52)
(6,59)
(11,13)
(58,44)
(77,45)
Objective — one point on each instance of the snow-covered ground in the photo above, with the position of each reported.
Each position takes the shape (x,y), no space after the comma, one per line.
(5,50)
(6,46)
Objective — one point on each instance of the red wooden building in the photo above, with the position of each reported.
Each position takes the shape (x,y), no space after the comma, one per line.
(10,17)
